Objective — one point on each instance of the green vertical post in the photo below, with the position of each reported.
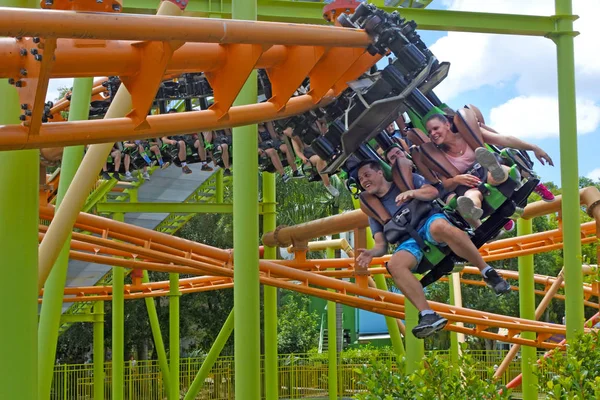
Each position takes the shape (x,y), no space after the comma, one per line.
(118,328)
(174,295)
(55,284)
(211,357)
(98,350)
(159,345)
(527,311)
(569,174)
(454,348)
(332,343)
(415,348)
(19,205)
(390,322)
(270,293)
(219,189)
(246,291)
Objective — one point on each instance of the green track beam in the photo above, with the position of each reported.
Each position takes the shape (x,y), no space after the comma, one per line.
(19,174)
(211,357)
(174,295)
(527,311)
(332,376)
(306,12)
(98,350)
(569,174)
(246,291)
(118,328)
(55,284)
(270,294)
(159,344)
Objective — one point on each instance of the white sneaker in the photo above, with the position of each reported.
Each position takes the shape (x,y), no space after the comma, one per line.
(333,191)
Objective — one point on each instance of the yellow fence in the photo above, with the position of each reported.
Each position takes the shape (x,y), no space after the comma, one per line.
(300,376)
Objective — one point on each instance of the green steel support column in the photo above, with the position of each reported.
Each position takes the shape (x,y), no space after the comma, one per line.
(118,328)
(390,322)
(569,174)
(392,326)
(211,357)
(415,348)
(174,336)
(219,190)
(99,350)
(246,294)
(159,345)
(55,284)
(332,343)
(527,311)
(19,205)
(270,293)
(454,350)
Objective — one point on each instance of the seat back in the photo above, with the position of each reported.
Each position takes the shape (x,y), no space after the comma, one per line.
(417,136)
(402,174)
(465,122)
(436,161)
(423,169)
(372,206)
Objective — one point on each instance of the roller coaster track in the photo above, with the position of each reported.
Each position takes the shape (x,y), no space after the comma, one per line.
(119,244)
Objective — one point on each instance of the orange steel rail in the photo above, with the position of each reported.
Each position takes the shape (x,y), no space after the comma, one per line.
(65,24)
(228,52)
(180,255)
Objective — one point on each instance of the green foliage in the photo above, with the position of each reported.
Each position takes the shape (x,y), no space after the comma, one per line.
(574,374)
(440,379)
(298,329)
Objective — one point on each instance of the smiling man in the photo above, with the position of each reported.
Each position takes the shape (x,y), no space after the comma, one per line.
(433,227)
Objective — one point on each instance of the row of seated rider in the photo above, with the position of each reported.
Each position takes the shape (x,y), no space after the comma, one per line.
(437,228)
(179,150)
(272,147)
(462,187)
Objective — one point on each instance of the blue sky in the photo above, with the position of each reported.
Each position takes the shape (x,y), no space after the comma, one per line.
(512,79)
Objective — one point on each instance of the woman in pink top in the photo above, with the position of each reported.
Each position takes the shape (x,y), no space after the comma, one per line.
(464,158)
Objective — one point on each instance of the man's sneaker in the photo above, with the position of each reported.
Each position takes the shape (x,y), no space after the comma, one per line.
(496,282)
(285,178)
(146,175)
(489,162)
(509,226)
(332,191)
(106,176)
(466,208)
(297,174)
(428,325)
(206,167)
(128,177)
(544,193)
(186,170)
(227,172)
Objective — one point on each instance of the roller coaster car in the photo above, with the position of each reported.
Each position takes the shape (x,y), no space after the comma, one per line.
(499,202)
(437,261)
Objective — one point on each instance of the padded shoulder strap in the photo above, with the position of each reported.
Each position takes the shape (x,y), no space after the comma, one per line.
(477,112)
(466,123)
(484,126)
(402,174)
(435,159)
(372,206)
(417,136)
(418,159)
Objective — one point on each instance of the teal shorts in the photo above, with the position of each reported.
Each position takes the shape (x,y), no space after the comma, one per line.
(411,245)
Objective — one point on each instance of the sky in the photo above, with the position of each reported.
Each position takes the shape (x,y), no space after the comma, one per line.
(512,79)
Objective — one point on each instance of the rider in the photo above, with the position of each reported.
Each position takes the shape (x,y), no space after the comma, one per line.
(435,228)
(463,157)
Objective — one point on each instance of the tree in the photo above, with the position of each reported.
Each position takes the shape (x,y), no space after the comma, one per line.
(298,329)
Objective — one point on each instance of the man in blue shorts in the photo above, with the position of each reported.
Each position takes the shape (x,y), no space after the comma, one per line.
(434,228)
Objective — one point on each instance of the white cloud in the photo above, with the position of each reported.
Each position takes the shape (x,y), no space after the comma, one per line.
(594,174)
(479,60)
(536,117)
